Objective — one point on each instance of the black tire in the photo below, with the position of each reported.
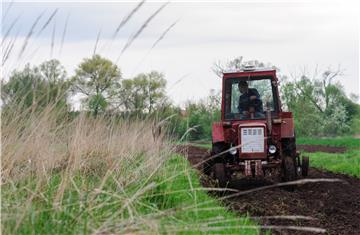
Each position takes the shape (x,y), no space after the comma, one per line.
(220,174)
(208,165)
(289,169)
(289,146)
(289,172)
(305,166)
(216,149)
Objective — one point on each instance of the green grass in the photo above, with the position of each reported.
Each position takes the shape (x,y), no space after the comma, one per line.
(200,202)
(203,145)
(346,163)
(177,204)
(348,142)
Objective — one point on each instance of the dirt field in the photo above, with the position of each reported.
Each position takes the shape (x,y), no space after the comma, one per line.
(333,206)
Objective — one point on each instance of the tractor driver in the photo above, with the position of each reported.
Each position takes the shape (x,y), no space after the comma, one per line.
(249,101)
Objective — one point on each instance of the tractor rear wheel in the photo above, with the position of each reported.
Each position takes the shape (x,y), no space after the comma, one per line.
(305,166)
(220,174)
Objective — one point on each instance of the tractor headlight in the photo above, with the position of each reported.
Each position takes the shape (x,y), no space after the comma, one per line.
(272,149)
(232,151)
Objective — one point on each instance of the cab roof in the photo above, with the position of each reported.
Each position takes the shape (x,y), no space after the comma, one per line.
(247,74)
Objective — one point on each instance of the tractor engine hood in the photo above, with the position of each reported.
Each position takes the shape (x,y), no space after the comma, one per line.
(253,140)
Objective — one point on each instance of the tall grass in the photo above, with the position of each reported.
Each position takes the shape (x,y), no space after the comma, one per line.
(84,175)
(102,175)
(41,153)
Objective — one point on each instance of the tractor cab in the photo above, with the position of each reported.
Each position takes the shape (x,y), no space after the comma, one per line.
(248,95)
(254,135)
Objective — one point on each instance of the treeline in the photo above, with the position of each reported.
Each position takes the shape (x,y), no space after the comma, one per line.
(319,104)
(98,89)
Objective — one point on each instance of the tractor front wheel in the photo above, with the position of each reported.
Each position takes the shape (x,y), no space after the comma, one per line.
(208,164)
(289,172)
(209,160)
(289,169)
(220,174)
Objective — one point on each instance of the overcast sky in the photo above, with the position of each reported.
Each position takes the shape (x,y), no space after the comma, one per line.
(290,35)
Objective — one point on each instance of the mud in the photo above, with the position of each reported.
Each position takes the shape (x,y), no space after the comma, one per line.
(333,206)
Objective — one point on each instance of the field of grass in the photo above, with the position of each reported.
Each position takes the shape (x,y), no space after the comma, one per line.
(173,202)
(345,163)
(90,176)
(348,142)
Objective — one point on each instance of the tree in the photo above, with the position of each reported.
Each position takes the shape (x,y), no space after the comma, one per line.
(56,84)
(319,103)
(36,87)
(97,79)
(142,94)
(19,89)
(52,71)
(195,122)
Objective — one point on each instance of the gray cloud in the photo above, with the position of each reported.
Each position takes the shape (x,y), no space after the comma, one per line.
(288,35)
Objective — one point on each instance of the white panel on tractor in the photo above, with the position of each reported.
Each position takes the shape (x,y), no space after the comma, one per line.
(252,140)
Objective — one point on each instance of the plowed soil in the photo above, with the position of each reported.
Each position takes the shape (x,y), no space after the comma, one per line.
(333,206)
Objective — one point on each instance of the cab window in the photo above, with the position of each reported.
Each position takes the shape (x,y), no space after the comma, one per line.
(263,88)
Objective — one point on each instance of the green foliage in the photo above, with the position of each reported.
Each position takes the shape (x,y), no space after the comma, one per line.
(201,118)
(36,87)
(318,102)
(97,79)
(142,94)
(173,118)
(337,122)
(195,122)
(355,121)
(97,103)
(319,105)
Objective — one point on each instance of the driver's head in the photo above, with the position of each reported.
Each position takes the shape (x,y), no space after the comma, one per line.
(243,87)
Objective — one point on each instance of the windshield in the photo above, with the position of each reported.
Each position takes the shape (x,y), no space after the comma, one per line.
(248,99)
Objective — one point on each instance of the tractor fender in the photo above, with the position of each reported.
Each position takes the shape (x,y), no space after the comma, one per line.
(217,132)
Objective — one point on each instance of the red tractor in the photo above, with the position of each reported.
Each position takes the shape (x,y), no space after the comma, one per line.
(254,137)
